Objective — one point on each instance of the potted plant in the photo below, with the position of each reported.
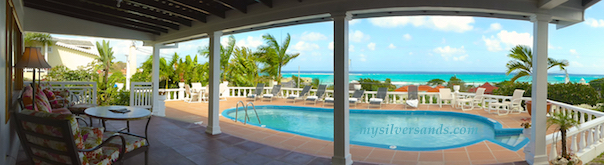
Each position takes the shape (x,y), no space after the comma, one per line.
(529,108)
(564,122)
(526,124)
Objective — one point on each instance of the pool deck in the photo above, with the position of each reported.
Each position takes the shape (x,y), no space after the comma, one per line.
(480,153)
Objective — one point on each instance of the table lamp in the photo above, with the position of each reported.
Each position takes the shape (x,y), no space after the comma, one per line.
(32,58)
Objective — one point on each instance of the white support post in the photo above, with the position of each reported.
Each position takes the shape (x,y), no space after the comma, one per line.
(341,139)
(214,108)
(155,77)
(539,95)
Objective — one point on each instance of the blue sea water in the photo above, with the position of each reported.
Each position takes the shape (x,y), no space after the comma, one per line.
(402,78)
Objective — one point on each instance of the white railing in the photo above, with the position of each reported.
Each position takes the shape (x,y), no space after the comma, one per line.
(173,94)
(586,140)
(79,92)
(141,94)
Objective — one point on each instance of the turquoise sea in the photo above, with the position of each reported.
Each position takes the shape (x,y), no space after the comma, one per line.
(403,78)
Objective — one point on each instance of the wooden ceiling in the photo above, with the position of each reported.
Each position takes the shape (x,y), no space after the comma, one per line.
(152,16)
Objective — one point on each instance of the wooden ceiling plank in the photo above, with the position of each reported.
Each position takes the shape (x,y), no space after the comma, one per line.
(77,11)
(88,18)
(198,16)
(142,11)
(234,4)
(119,14)
(268,3)
(204,8)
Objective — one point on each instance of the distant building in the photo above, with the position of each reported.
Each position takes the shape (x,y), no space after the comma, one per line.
(67,52)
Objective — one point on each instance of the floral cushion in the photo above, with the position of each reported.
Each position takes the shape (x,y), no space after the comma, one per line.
(52,98)
(27,98)
(92,137)
(107,156)
(132,142)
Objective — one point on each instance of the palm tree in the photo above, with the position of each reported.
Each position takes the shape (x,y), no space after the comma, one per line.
(244,70)
(105,58)
(275,55)
(225,55)
(563,121)
(522,62)
(33,38)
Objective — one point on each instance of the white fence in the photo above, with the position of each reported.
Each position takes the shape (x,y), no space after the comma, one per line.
(141,94)
(79,92)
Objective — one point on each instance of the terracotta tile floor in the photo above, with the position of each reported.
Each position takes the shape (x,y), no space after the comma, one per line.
(481,153)
(176,140)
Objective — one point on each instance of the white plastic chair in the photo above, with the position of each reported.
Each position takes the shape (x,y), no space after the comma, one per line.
(445,94)
(514,105)
(477,99)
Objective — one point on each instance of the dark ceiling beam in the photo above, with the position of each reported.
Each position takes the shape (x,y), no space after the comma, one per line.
(201,7)
(153,13)
(111,22)
(165,7)
(588,3)
(91,14)
(239,5)
(117,13)
(268,3)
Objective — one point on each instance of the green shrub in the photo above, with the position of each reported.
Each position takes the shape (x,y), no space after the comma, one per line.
(597,84)
(373,85)
(507,89)
(573,93)
(121,98)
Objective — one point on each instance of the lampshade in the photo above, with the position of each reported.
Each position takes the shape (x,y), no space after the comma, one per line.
(32,58)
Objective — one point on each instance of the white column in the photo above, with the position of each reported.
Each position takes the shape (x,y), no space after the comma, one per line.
(155,76)
(341,138)
(130,65)
(214,108)
(539,86)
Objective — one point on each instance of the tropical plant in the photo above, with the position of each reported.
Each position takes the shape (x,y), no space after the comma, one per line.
(563,122)
(225,55)
(369,84)
(244,70)
(597,84)
(573,93)
(522,62)
(436,82)
(37,38)
(274,55)
(315,83)
(105,60)
(62,73)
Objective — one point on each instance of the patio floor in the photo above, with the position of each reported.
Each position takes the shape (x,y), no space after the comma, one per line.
(481,153)
(175,139)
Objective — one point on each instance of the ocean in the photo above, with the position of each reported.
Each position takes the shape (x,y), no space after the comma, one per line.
(405,78)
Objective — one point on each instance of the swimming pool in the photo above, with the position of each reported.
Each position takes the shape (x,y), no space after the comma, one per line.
(400,130)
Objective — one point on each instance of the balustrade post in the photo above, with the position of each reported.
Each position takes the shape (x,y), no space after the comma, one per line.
(590,138)
(582,141)
(181,91)
(601,132)
(573,144)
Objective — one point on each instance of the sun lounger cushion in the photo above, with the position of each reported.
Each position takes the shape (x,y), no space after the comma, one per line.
(251,96)
(412,103)
(312,97)
(376,100)
(267,95)
(292,96)
(352,100)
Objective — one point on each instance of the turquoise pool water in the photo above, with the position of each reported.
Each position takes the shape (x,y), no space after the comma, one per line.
(400,130)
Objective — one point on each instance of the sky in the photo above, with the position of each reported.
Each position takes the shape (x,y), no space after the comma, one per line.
(415,43)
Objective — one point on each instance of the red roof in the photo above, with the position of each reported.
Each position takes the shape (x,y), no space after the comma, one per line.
(488,88)
(435,89)
(425,88)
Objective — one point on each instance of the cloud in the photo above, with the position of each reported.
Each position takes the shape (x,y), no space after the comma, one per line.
(594,22)
(354,21)
(304,46)
(550,46)
(351,48)
(250,42)
(458,24)
(509,39)
(574,52)
(362,58)
(460,58)
(358,36)
(576,64)
(458,54)
(410,53)
(407,37)
(391,46)
(330,45)
(492,43)
(494,27)
(371,46)
(312,36)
